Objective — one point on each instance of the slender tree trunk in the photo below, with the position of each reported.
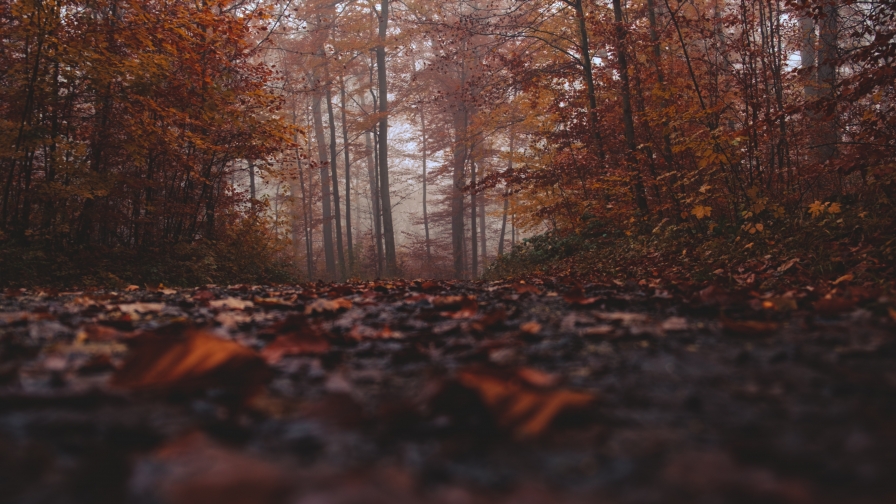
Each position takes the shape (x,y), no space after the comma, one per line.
(324,185)
(827,70)
(340,250)
(628,122)
(388,233)
(506,196)
(483,247)
(587,72)
(348,180)
(474,266)
(512,230)
(425,213)
(372,170)
(378,218)
(252,185)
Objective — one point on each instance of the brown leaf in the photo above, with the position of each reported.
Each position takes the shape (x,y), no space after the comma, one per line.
(327,306)
(190,362)
(531,327)
(296,343)
(489,320)
(522,288)
(749,327)
(845,278)
(457,307)
(576,296)
(526,411)
(834,306)
(195,470)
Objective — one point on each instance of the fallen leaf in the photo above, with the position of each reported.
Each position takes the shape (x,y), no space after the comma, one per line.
(195,470)
(296,343)
(576,296)
(527,412)
(845,278)
(140,308)
(530,327)
(190,362)
(327,306)
(675,324)
(787,265)
(230,303)
(537,378)
(834,305)
(749,327)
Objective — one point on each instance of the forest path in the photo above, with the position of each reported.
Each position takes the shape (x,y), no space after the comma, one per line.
(443,392)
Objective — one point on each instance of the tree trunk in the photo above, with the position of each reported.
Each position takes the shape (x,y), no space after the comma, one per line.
(628,122)
(483,247)
(506,197)
(340,251)
(474,265)
(425,213)
(589,76)
(388,233)
(827,70)
(348,181)
(457,195)
(324,185)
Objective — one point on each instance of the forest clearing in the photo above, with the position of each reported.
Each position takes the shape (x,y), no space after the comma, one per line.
(363,251)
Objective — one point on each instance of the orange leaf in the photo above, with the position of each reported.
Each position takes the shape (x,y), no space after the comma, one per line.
(749,327)
(526,411)
(297,343)
(190,362)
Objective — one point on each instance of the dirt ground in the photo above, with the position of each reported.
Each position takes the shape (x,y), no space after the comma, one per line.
(440,392)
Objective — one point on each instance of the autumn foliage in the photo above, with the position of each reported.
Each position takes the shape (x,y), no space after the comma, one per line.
(122,123)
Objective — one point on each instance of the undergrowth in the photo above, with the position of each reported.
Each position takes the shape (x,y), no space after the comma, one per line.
(806,250)
(245,254)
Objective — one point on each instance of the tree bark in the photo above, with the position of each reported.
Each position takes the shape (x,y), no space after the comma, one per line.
(589,76)
(474,265)
(388,233)
(324,185)
(628,122)
(348,181)
(457,195)
(506,197)
(425,213)
(340,251)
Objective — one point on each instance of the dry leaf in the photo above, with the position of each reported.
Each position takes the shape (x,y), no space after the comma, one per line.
(530,327)
(576,296)
(297,343)
(834,306)
(327,306)
(845,278)
(674,324)
(749,327)
(190,362)
(230,303)
(195,470)
(527,412)
(140,308)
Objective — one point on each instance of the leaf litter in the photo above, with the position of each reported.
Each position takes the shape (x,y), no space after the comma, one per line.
(434,391)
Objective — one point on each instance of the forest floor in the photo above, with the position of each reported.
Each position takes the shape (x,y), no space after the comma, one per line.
(441,392)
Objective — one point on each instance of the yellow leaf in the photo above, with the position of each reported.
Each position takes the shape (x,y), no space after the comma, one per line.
(700,211)
(834,208)
(816,208)
(760,228)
